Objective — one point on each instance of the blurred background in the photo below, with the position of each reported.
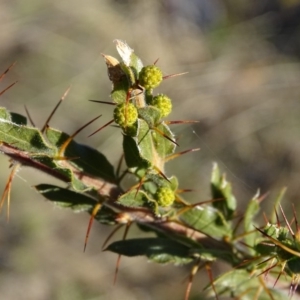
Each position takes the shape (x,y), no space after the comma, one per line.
(242,59)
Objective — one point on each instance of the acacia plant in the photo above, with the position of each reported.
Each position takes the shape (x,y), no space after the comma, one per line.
(183,233)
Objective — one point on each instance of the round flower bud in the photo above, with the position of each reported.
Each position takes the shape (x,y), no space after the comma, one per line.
(150,77)
(125,114)
(164,196)
(163,103)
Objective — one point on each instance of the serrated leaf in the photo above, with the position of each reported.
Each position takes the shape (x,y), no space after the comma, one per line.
(66,198)
(67,172)
(212,254)
(24,138)
(145,143)
(18,119)
(133,198)
(173,183)
(237,283)
(206,219)
(119,93)
(252,209)
(132,155)
(149,114)
(5,114)
(221,189)
(163,146)
(130,74)
(87,159)
(157,249)
(157,179)
(78,202)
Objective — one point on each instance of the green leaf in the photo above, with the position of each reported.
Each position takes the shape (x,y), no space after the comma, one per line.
(239,283)
(67,172)
(144,141)
(221,189)
(206,219)
(66,198)
(119,92)
(5,114)
(133,198)
(252,209)
(18,119)
(174,183)
(163,146)
(132,155)
(87,159)
(24,138)
(157,249)
(78,202)
(158,180)
(130,74)
(149,114)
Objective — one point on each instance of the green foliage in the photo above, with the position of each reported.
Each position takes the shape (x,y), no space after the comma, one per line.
(200,234)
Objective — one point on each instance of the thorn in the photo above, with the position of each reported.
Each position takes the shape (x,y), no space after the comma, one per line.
(160,173)
(181,122)
(7,190)
(190,206)
(266,271)
(71,137)
(277,218)
(267,290)
(279,244)
(119,179)
(103,102)
(280,273)
(117,268)
(193,272)
(174,75)
(296,223)
(65,158)
(119,256)
(105,125)
(265,218)
(119,165)
(55,108)
(95,210)
(175,155)
(180,191)
(139,186)
(111,235)
(211,280)
(7,88)
(6,71)
(181,200)
(29,116)
(165,136)
(286,222)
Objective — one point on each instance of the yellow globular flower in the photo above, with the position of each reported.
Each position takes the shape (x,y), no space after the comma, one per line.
(164,196)
(125,115)
(163,103)
(150,77)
